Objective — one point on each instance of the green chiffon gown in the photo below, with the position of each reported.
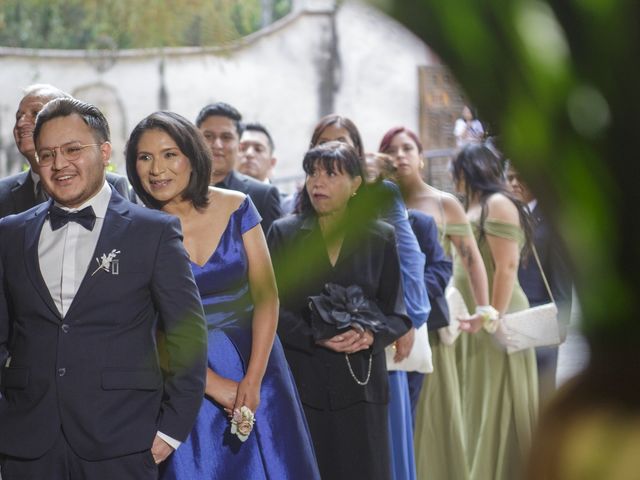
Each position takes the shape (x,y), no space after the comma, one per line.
(439,439)
(499,391)
(478,408)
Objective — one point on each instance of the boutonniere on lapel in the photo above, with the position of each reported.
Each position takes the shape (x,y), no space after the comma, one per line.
(108,263)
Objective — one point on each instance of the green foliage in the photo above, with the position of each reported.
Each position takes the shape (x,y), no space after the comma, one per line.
(81,24)
(559,81)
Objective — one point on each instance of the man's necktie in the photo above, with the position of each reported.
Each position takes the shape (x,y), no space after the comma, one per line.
(59,217)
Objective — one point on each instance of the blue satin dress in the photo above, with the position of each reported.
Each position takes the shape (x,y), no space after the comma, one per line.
(279,446)
(412,261)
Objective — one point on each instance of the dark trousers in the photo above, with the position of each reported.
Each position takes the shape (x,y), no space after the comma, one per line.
(61,463)
(547,361)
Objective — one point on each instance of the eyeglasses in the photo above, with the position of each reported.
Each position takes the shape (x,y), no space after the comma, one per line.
(70,151)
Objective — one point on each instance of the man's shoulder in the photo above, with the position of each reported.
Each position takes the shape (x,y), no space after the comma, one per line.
(253,186)
(19,219)
(7,183)
(115,177)
(121,184)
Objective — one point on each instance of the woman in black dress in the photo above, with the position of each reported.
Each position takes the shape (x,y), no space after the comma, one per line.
(341,375)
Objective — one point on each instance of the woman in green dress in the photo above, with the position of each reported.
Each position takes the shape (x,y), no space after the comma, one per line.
(499,390)
(439,438)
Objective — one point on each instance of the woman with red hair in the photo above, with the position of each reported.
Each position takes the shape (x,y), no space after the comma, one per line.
(439,430)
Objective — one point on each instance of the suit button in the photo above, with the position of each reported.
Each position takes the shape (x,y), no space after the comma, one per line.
(65,328)
(61,372)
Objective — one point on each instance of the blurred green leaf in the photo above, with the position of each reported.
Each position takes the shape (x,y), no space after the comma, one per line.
(558,80)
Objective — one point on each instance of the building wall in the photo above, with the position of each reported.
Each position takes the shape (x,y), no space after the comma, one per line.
(353,60)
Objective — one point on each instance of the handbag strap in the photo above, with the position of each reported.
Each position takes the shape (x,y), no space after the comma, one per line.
(544,277)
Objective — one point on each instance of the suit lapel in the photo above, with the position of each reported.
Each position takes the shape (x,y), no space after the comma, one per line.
(112,236)
(33,227)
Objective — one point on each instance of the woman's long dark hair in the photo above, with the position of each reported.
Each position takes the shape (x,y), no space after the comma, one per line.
(483,174)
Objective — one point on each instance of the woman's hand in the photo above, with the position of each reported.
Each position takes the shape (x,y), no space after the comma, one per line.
(404,345)
(349,342)
(472,323)
(365,342)
(248,394)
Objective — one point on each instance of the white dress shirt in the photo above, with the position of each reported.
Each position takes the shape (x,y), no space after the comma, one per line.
(65,255)
(65,258)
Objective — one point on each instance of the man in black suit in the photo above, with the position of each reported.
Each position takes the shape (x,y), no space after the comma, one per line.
(221,127)
(257,159)
(86,279)
(22,191)
(551,252)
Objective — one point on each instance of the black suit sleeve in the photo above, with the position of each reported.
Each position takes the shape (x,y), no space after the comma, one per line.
(271,208)
(181,318)
(438,268)
(4,314)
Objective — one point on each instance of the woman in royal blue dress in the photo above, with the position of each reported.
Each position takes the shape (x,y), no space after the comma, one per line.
(169,167)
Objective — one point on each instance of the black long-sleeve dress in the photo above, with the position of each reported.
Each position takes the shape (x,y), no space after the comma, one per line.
(348,421)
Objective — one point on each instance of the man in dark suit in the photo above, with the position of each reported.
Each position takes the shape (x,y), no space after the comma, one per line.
(22,191)
(257,159)
(85,280)
(551,252)
(221,127)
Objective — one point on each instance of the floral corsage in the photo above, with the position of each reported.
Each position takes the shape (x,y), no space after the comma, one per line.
(242,422)
(490,317)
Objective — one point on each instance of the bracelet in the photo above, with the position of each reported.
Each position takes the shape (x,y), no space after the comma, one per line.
(490,317)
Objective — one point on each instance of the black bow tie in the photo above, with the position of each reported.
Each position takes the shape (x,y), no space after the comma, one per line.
(59,217)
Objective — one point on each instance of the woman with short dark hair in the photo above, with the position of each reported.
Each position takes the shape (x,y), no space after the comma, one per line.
(335,253)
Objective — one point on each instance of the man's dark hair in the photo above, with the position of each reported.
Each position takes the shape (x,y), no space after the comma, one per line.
(258,127)
(65,106)
(221,109)
(190,142)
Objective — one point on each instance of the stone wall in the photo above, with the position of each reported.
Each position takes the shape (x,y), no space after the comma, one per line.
(351,60)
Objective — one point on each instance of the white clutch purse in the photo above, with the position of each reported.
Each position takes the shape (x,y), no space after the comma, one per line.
(533,327)
(457,308)
(420,358)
